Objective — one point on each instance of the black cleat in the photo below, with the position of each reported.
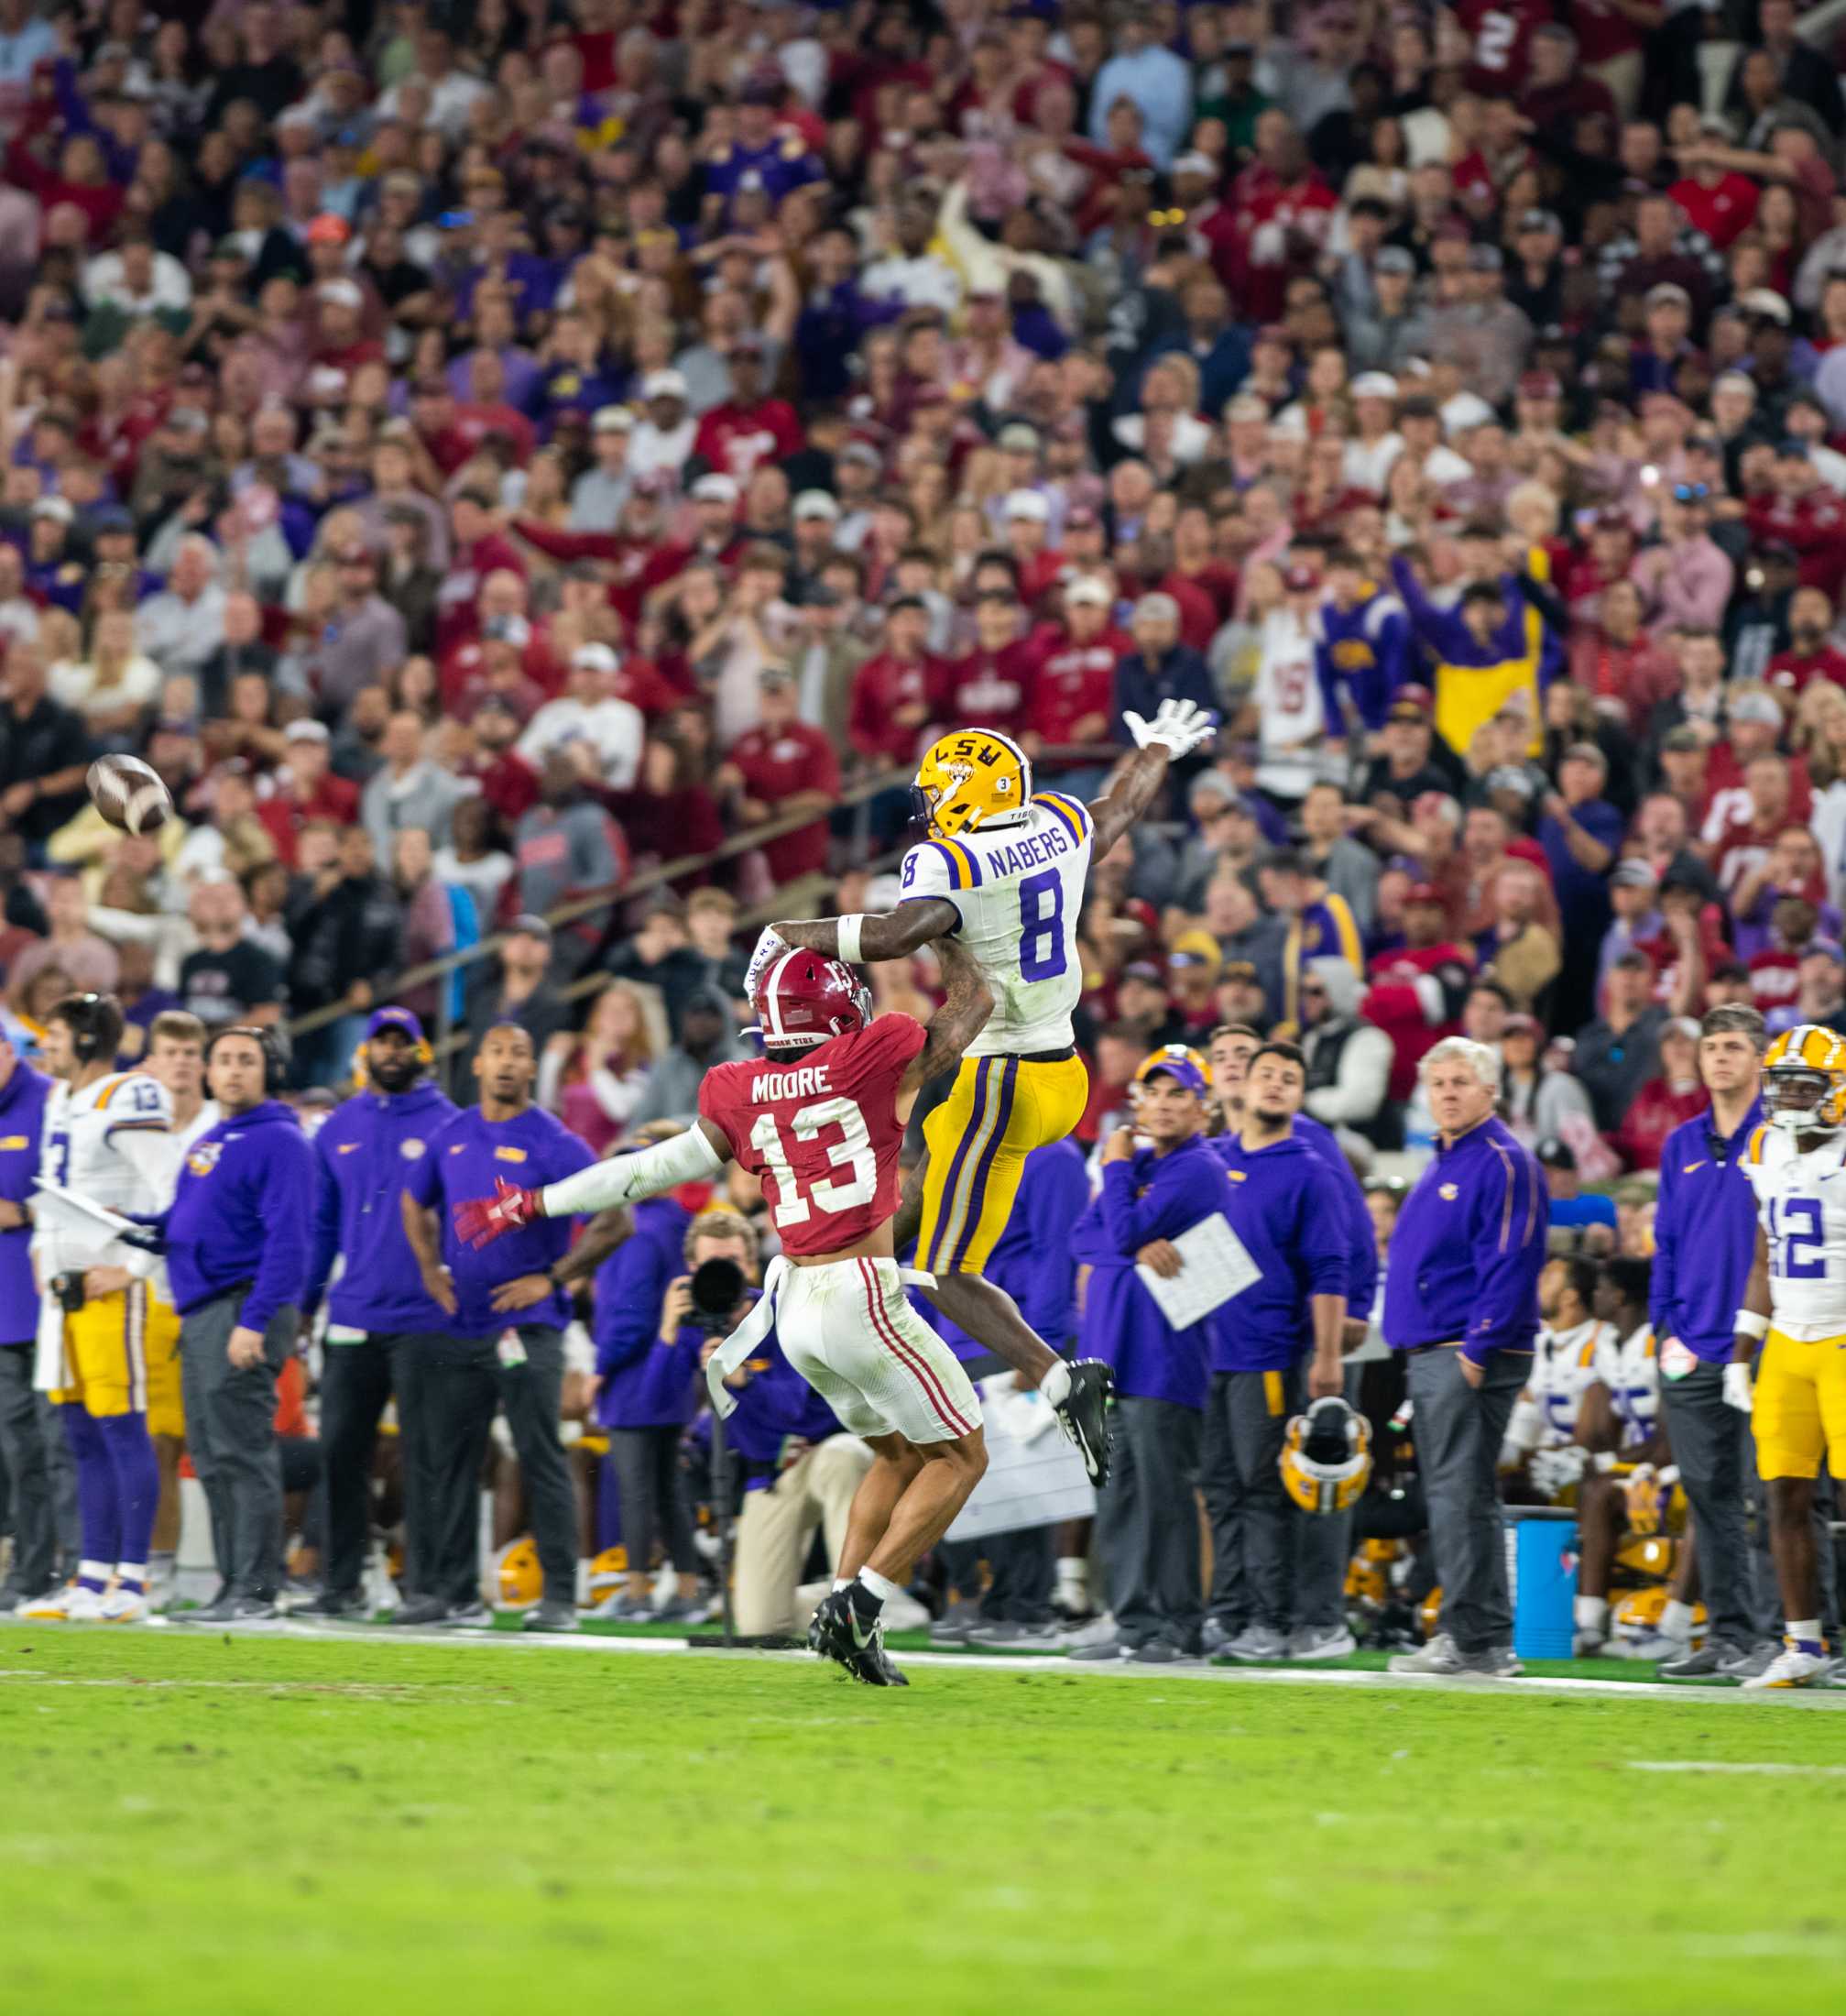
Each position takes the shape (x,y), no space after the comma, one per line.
(854,1640)
(1083,1416)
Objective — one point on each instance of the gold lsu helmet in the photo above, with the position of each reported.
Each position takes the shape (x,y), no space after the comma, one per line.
(1804,1080)
(971,779)
(1326,1456)
(518,1580)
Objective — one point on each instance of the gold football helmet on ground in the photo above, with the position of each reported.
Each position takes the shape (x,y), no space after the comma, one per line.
(519,1581)
(973,778)
(1804,1080)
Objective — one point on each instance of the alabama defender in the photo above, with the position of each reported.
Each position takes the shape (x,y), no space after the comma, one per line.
(107,1138)
(820,1120)
(1794,1308)
(1002,872)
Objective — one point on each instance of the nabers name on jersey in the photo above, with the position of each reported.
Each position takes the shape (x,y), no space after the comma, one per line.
(1018,892)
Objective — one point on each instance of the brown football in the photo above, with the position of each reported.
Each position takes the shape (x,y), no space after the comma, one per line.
(129,793)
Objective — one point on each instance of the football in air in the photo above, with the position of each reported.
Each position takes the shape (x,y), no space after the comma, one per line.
(128,793)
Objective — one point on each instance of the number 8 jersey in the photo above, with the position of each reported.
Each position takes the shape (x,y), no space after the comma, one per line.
(1801,1203)
(1019,891)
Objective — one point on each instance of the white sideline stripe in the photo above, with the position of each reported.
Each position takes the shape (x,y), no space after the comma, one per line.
(1816,1700)
(1745,1770)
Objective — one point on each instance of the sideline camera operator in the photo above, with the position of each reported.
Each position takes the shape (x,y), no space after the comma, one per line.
(650,1391)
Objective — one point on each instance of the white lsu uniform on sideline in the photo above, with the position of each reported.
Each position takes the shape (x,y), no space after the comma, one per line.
(98,1349)
(1544,1421)
(1801,1203)
(1629,1367)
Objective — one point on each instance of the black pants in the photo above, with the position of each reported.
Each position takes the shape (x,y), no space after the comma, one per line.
(357,1380)
(231,1437)
(1023,1572)
(653,1489)
(29,1434)
(1147,1523)
(1252,1521)
(458,1383)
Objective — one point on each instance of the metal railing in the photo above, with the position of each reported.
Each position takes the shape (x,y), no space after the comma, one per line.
(601,901)
(446,1039)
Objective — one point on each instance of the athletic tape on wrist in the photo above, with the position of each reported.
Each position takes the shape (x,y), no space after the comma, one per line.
(850,929)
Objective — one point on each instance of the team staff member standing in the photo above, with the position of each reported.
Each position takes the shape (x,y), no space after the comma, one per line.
(378,1307)
(1147,1512)
(1461,1303)
(236,1239)
(502,1338)
(27,1426)
(1705,1238)
(1285,1207)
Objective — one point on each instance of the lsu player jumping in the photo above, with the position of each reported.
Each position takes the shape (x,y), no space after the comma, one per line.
(1794,1308)
(108,1138)
(1003,872)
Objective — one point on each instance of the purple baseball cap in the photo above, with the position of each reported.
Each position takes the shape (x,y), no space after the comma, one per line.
(401,1019)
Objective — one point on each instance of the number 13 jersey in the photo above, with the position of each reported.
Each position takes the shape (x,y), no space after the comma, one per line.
(820,1128)
(1019,891)
(1801,1203)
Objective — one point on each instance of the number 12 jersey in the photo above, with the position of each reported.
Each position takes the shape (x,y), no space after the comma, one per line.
(1801,1201)
(1019,891)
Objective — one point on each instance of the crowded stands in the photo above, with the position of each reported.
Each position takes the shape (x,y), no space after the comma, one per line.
(482,457)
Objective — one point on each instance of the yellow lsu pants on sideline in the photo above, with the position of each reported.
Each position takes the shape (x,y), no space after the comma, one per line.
(166,1410)
(1001,1109)
(109,1344)
(1800,1410)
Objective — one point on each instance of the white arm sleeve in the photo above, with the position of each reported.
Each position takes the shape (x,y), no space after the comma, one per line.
(688,1157)
(155,1158)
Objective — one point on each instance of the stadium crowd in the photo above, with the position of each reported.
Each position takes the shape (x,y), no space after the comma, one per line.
(477,455)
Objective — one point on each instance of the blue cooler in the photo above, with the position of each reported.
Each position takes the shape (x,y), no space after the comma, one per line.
(1541,1573)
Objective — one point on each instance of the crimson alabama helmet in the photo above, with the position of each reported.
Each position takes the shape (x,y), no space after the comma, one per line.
(803,999)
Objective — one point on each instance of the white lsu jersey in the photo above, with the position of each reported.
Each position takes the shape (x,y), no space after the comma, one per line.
(81,1154)
(1629,1367)
(1801,1206)
(1018,890)
(1564,1368)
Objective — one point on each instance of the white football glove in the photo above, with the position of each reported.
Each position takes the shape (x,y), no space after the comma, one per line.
(1738,1390)
(1178,726)
(769,949)
(1555,1470)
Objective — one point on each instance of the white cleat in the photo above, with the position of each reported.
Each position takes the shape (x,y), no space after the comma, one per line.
(124,1606)
(1793,1667)
(73,1604)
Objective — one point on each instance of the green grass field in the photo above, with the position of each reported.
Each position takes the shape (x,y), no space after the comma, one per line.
(199,1824)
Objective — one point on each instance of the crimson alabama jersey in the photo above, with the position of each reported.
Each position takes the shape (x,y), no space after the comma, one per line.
(1502,33)
(821,1129)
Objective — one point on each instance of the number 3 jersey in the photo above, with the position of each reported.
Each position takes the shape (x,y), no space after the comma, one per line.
(82,1152)
(1801,1204)
(1019,891)
(821,1130)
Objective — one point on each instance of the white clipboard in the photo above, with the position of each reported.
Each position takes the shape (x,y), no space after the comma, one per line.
(79,1219)
(1217,1268)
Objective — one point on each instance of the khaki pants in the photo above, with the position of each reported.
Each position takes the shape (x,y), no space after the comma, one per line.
(778,1528)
